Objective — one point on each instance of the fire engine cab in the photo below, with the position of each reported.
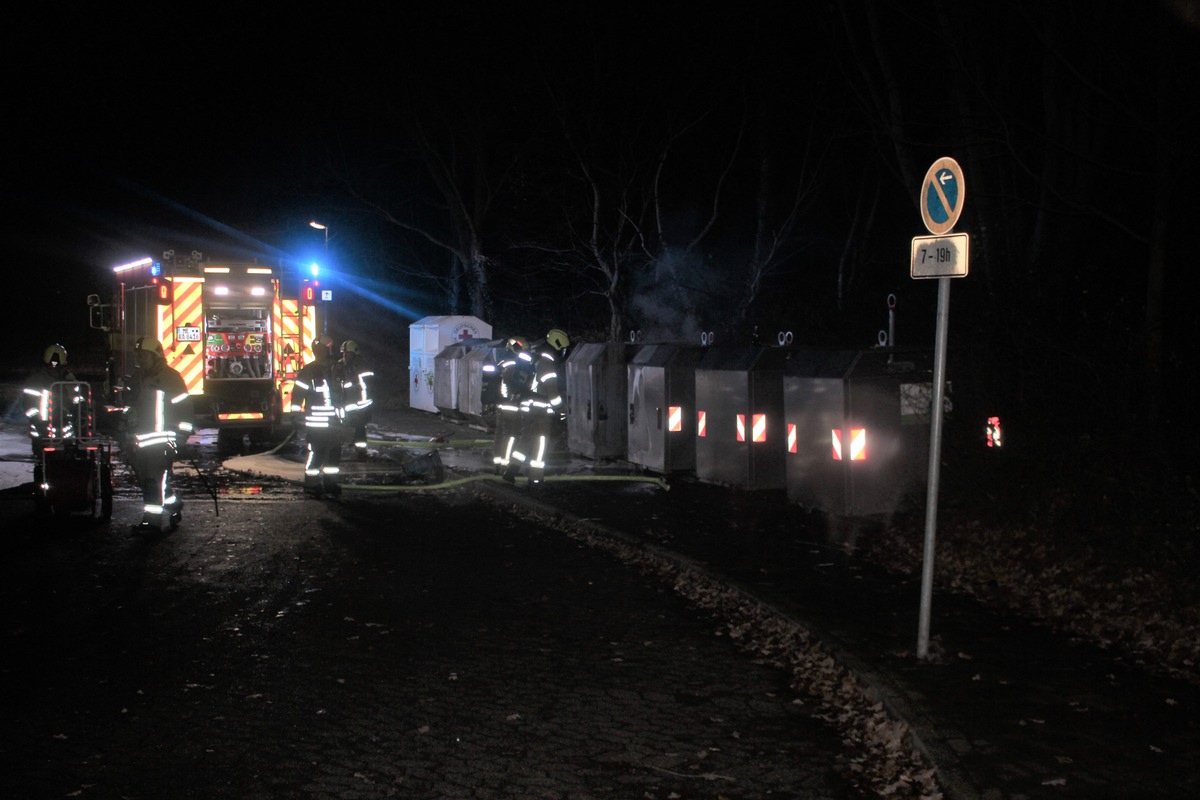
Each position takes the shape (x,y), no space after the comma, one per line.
(232,330)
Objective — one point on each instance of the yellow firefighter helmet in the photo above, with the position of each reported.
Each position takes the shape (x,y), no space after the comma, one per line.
(350,346)
(149,344)
(55,354)
(557,338)
(322,345)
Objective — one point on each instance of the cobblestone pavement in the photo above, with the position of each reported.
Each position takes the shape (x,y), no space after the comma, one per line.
(419,646)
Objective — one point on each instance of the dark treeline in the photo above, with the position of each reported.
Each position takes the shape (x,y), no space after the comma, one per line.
(761,168)
(673,171)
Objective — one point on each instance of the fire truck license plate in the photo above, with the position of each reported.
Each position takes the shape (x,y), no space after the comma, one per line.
(187,334)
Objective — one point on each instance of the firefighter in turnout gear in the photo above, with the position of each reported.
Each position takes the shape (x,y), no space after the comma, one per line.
(37,391)
(512,373)
(159,409)
(318,395)
(530,402)
(360,394)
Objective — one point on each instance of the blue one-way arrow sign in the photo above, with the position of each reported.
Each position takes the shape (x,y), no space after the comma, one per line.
(942,196)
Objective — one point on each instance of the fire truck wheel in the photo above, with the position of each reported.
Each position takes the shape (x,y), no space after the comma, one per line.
(106,491)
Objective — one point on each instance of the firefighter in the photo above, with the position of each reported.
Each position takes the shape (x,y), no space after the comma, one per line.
(360,395)
(529,383)
(318,395)
(159,409)
(37,401)
(513,377)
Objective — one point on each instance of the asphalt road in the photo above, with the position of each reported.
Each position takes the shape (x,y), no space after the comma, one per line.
(411,646)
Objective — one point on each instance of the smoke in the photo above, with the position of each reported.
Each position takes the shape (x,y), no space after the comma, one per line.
(666,296)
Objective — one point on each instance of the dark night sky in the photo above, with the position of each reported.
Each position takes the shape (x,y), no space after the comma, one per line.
(224,128)
(134,133)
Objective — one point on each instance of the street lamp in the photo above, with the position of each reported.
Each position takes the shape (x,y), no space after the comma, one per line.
(320,227)
(325,228)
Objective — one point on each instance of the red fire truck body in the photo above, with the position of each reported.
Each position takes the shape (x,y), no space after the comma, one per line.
(230,329)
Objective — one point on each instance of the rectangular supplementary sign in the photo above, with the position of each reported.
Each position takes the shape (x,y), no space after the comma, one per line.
(940,256)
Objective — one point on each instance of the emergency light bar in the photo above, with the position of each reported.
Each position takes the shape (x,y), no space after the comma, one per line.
(134,265)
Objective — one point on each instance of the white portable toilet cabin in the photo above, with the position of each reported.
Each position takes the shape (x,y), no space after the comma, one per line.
(428,337)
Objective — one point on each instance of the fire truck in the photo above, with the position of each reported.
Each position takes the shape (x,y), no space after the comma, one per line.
(233,330)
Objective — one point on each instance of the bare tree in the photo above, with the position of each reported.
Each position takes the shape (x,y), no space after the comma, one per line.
(774,223)
(643,236)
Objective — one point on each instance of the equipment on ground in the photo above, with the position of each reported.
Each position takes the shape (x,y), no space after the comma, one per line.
(73,465)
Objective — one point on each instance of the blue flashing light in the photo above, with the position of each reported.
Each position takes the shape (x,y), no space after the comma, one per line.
(315,269)
(156,269)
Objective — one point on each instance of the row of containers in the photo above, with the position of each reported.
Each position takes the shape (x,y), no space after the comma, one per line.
(840,430)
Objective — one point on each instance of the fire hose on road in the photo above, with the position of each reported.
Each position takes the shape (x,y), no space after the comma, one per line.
(464,480)
(350,487)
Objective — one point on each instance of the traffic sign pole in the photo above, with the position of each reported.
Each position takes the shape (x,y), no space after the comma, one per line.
(935,452)
(944,257)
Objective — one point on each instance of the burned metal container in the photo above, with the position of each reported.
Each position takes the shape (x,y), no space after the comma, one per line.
(662,407)
(448,368)
(458,379)
(740,435)
(478,384)
(596,398)
(858,428)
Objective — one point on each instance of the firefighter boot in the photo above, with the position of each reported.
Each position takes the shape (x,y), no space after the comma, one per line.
(176,514)
(536,476)
(510,472)
(151,524)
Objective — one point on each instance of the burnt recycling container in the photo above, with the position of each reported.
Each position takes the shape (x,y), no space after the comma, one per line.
(858,428)
(740,436)
(479,388)
(446,385)
(596,398)
(662,407)
(458,379)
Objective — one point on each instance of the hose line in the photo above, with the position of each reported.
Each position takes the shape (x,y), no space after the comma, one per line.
(350,487)
(432,443)
(291,435)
